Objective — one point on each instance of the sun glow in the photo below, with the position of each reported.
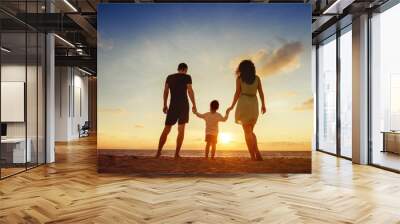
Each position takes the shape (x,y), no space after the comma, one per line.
(225,138)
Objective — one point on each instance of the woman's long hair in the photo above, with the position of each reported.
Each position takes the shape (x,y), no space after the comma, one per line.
(247,71)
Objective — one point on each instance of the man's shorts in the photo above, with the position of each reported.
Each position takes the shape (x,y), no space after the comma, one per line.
(178,114)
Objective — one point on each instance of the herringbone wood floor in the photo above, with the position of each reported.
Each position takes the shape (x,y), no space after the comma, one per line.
(71,191)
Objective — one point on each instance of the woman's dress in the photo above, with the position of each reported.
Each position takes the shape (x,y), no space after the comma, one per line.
(247,106)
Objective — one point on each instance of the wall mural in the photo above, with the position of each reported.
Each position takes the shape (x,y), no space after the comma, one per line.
(230,82)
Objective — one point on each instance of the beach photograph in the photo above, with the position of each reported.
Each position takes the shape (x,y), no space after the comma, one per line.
(158,80)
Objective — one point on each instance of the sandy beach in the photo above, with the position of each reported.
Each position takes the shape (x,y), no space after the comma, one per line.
(193,162)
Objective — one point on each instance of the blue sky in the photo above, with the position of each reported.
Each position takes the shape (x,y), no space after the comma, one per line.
(140,44)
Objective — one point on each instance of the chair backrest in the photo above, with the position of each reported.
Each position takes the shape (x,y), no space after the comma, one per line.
(86,125)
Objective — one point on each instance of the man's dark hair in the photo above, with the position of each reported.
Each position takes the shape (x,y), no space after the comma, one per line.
(214,105)
(182,66)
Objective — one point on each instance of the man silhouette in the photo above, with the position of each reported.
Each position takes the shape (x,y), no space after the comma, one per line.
(180,86)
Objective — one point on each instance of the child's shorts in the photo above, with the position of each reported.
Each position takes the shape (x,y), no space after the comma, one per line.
(211,139)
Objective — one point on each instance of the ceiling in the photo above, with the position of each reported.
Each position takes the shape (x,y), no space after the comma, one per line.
(76,21)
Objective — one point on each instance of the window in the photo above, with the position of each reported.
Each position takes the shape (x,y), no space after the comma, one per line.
(22,77)
(385,89)
(394,102)
(327,95)
(346,74)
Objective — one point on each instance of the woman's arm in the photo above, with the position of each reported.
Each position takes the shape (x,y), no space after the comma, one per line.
(236,95)
(262,98)
(224,118)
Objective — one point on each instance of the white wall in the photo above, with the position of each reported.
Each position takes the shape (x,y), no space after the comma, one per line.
(11,73)
(16,73)
(71,102)
(80,111)
(62,82)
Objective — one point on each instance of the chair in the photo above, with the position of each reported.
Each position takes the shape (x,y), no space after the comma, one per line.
(84,130)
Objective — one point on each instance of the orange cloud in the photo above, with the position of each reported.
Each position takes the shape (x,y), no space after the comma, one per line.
(284,94)
(281,60)
(306,105)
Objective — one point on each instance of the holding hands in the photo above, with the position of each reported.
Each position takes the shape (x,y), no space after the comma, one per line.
(228,110)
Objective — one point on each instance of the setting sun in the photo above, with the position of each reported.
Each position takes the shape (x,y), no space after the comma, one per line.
(225,137)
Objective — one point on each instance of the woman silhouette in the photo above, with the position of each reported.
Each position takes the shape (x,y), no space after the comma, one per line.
(247,85)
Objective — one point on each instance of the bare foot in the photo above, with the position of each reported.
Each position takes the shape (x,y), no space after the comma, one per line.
(158,155)
(177,156)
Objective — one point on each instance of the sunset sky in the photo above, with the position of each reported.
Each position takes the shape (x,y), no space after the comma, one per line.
(140,44)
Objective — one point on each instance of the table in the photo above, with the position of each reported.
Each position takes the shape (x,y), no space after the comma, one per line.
(391,141)
(15,148)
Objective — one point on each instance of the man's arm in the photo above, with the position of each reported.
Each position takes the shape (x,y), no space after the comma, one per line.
(191,96)
(165,97)
(198,114)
